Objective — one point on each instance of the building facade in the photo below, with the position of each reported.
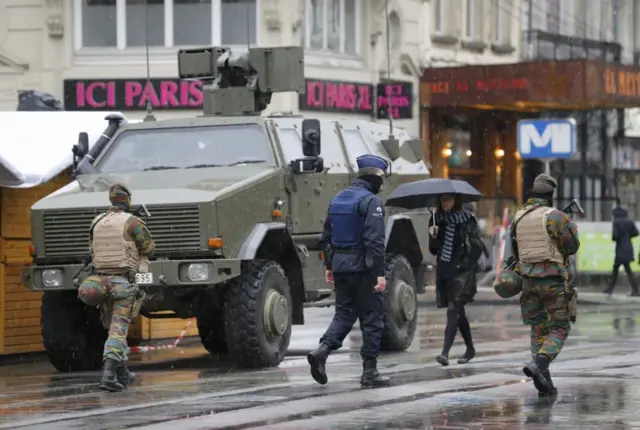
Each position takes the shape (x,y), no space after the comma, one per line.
(463,143)
(604,167)
(92,53)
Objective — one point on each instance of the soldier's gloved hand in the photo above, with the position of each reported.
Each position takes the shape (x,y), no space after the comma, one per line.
(328,275)
(381,285)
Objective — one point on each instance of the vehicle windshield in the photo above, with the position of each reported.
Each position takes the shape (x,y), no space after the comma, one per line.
(187,147)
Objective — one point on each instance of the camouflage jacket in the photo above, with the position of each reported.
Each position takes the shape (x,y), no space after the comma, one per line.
(565,233)
(136,229)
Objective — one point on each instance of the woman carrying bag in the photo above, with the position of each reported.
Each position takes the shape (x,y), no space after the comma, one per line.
(454,238)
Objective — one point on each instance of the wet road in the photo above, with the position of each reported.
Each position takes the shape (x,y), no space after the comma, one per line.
(598,376)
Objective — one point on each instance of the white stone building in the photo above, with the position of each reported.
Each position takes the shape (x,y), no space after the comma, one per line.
(91,53)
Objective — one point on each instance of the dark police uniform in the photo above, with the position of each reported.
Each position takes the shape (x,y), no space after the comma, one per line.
(353,235)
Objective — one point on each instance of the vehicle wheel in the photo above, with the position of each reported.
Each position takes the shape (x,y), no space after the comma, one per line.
(72,333)
(258,315)
(401,310)
(211,331)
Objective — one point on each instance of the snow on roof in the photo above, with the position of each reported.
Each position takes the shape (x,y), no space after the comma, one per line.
(35,147)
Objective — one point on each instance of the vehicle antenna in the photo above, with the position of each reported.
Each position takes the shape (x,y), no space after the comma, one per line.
(149,116)
(391,144)
(247,17)
(389,109)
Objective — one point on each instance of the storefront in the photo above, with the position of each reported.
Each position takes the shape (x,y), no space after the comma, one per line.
(340,99)
(170,97)
(469,117)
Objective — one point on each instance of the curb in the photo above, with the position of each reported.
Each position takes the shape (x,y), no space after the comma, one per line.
(487,296)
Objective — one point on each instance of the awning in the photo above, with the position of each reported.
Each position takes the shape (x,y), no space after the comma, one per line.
(533,86)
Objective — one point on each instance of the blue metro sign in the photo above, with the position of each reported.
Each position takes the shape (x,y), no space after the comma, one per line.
(546,138)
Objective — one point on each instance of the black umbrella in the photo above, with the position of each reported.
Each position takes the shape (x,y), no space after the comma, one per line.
(425,193)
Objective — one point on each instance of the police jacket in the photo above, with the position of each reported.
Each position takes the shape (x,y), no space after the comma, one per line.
(354,231)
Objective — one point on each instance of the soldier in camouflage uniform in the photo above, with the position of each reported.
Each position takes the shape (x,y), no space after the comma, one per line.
(542,242)
(120,245)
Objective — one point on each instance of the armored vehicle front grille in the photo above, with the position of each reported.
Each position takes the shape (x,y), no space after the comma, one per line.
(177,228)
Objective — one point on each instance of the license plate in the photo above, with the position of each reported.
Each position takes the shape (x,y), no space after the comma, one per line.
(144,278)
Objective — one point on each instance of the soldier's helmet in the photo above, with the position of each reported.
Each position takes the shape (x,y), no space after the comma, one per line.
(507,284)
(93,291)
(119,195)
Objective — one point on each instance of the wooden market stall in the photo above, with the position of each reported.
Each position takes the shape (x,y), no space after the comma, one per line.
(20,323)
(19,307)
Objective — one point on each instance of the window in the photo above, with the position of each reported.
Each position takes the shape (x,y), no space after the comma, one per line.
(440,9)
(472,20)
(120,24)
(333,25)
(553,16)
(356,146)
(501,22)
(291,144)
(138,150)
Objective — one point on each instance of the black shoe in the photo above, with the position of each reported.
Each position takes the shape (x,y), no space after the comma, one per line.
(109,380)
(124,376)
(317,360)
(371,378)
(443,359)
(533,371)
(469,355)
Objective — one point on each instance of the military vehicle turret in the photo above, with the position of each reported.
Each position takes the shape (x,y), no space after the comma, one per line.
(237,203)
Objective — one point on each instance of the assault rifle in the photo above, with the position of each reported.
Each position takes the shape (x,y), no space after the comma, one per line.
(88,259)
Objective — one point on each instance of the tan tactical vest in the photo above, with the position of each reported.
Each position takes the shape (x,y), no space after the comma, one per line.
(111,251)
(534,243)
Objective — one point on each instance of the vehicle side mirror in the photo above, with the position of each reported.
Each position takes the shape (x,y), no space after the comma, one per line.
(311,137)
(80,149)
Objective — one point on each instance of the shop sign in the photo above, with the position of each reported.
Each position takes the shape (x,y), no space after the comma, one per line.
(479,85)
(131,94)
(401,96)
(337,96)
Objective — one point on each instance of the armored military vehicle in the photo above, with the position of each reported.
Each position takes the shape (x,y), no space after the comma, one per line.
(237,203)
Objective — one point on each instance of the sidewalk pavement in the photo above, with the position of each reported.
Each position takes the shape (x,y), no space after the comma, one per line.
(487,296)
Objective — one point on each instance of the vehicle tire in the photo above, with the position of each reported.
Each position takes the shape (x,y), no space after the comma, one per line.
(258,315)
(72,332)
(211,331)
(401,310)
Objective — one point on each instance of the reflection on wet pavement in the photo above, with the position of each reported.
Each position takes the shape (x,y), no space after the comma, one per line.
(597,374)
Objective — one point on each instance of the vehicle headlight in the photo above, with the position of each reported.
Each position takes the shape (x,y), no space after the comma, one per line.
(198,272)
(52,278)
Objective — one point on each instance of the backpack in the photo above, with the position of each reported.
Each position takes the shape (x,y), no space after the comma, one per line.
(483,263)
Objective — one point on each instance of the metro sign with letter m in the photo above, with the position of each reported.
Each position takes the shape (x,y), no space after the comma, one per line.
(546,138)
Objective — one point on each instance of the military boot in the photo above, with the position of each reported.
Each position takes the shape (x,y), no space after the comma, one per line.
(124,376)
(317,360)
(553,391)
(109,380)
(536,370)
(370,375)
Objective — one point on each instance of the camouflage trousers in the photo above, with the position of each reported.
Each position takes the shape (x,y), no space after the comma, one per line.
(544,308)
(117,307)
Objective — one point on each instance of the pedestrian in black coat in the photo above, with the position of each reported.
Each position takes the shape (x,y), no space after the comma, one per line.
(624,229)
(455,241)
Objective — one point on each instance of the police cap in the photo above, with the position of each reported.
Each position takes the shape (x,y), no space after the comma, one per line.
(544,184)
(372,165)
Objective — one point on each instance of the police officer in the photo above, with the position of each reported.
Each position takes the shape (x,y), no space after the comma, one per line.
(353,237)
(543,238)
(120,245)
